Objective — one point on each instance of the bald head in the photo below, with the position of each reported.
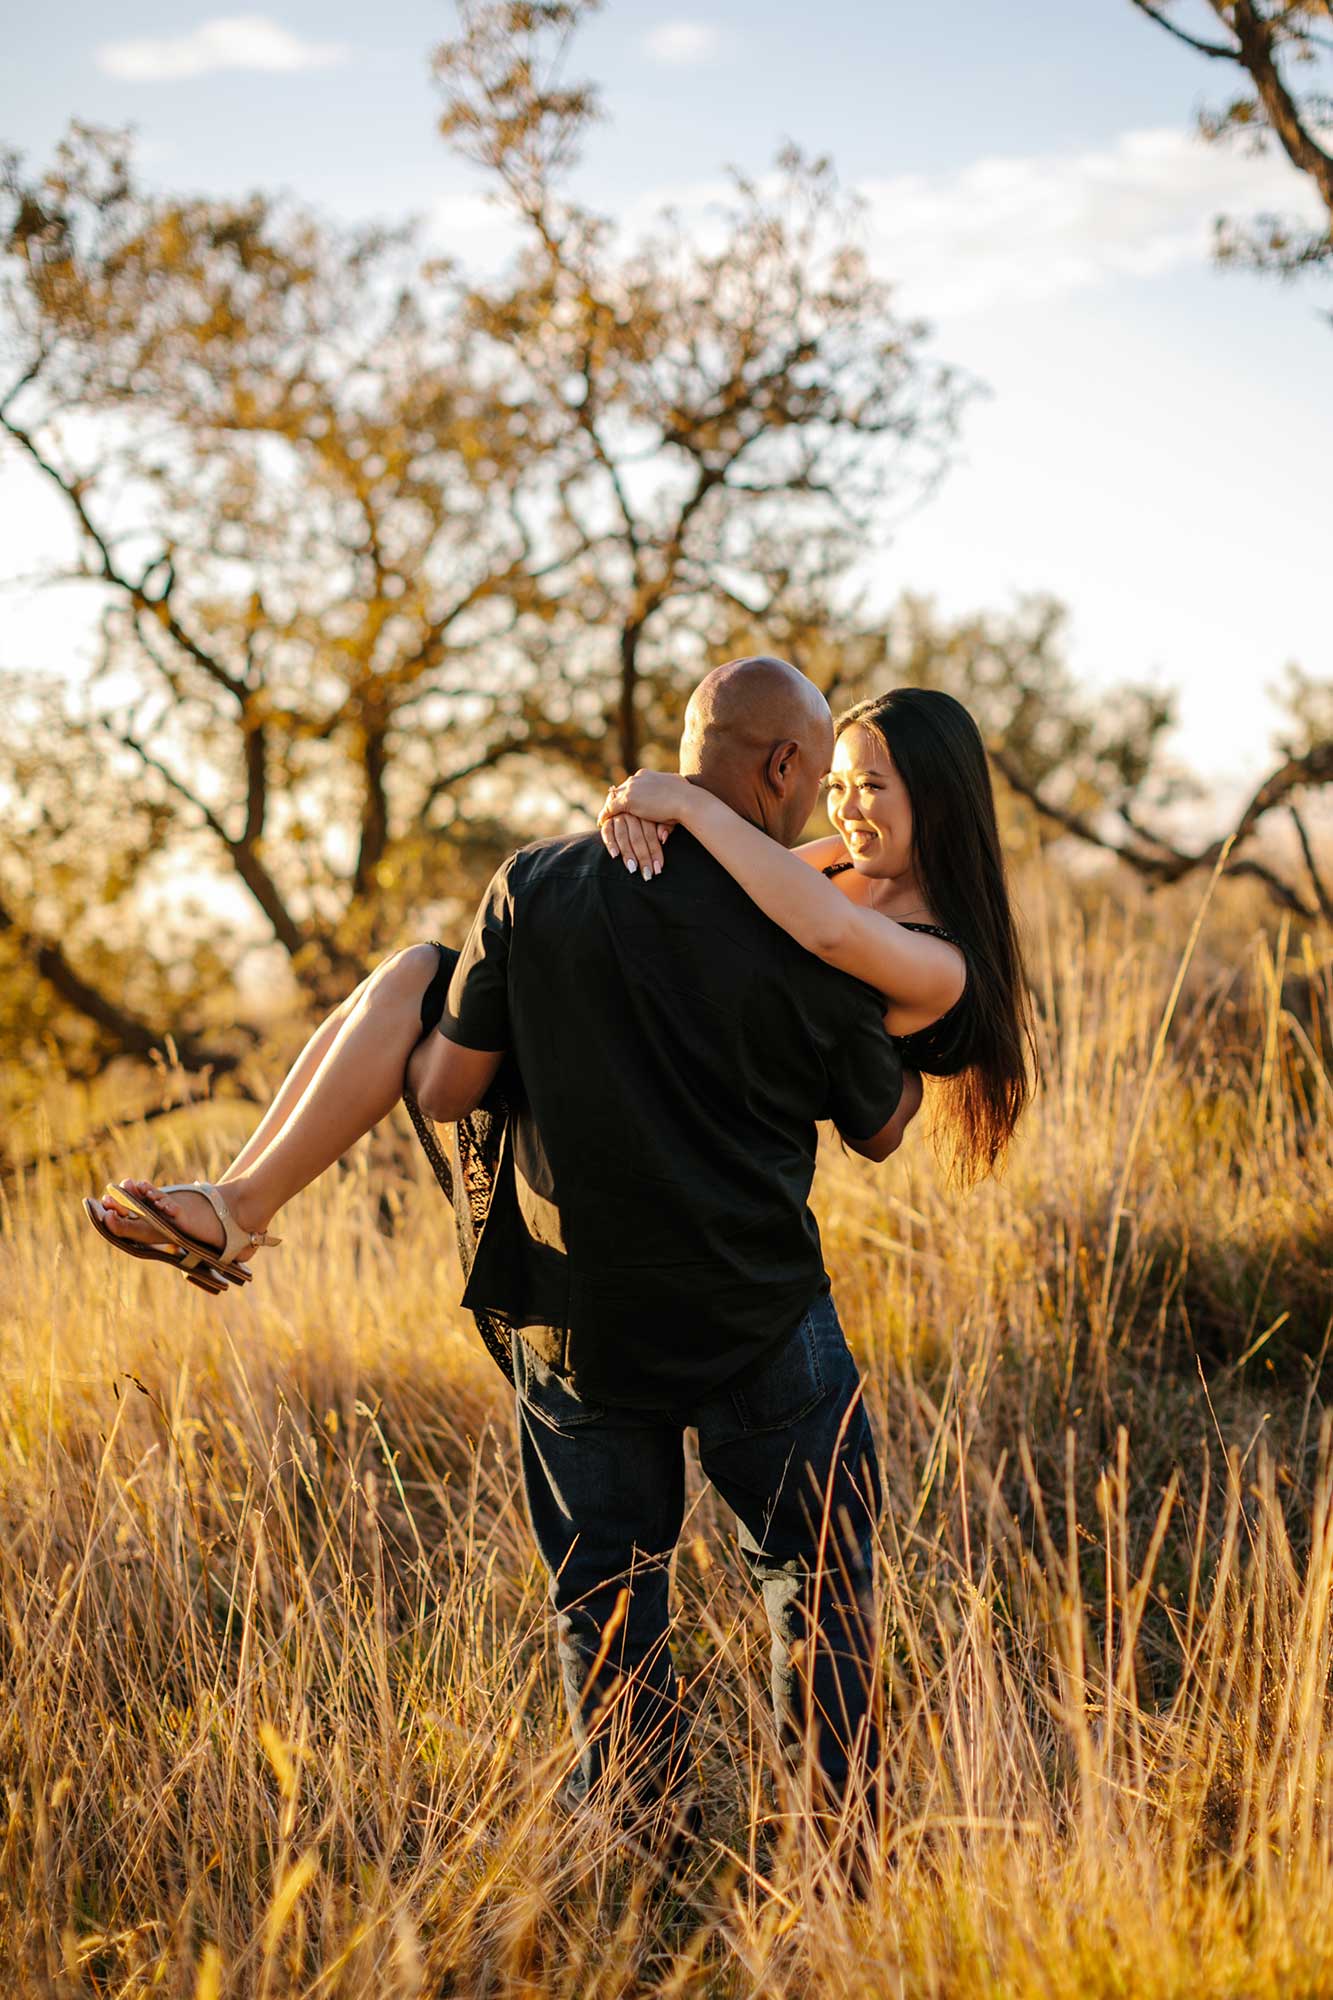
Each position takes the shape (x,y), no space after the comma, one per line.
(759,735)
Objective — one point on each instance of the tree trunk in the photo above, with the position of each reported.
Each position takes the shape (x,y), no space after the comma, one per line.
(374,810)
(629,681)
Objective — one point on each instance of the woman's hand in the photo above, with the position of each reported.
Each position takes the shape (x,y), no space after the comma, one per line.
(636,842)
(638,816)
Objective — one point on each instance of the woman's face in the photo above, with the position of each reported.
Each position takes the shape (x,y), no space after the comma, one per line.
(869,806)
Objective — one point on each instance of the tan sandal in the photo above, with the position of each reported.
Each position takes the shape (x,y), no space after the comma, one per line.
(152,1253)
(210,1259)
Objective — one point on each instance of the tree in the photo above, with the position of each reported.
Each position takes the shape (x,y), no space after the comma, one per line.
(398,569)
(304,523)
(1271,42)
(1280,48)
(722,421)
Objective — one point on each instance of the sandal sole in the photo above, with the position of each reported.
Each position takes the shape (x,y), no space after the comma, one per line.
(207,1253)
(207,1281)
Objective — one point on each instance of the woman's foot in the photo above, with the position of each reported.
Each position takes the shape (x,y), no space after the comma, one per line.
(191,1213)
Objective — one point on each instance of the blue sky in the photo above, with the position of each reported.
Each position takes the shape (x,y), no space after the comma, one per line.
(1155,444)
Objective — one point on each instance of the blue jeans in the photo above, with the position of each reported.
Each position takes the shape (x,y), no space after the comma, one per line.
(789,1448)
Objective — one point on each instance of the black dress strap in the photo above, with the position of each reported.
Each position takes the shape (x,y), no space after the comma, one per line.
(933,930)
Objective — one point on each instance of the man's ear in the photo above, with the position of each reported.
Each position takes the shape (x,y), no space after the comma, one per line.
(780,769)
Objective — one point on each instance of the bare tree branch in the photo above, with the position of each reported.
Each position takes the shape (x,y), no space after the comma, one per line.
(1169,863)
(16,388)
(1213,49)
(291,935)
(155,605)
(1256,37)
(1321,891)
(14,1168)
(486,761)
(134,1036)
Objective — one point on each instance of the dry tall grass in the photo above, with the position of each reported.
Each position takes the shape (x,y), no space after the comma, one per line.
(280,1711)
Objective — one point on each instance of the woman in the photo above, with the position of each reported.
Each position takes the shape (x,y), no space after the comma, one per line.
(910,896)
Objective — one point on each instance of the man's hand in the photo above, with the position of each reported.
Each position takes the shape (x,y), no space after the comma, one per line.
(889,1137)
(908,1106)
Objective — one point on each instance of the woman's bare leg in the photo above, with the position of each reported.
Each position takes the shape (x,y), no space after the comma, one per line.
(350,1075)
(295,1083)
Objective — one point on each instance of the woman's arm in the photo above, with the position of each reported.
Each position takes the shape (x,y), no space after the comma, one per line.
(920,975)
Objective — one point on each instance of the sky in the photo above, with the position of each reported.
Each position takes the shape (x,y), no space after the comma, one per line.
(1153,444)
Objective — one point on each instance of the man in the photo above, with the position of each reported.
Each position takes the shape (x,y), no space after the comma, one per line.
(674,1050)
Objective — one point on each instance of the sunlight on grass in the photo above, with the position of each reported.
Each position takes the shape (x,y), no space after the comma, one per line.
(281,1712)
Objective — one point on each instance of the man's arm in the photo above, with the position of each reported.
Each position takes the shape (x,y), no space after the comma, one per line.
(451,1071)
(449,1081)
(872,1097)
(891,1135)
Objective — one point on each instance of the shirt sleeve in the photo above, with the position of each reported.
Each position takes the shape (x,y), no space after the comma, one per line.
(476,1012)
(865,1072)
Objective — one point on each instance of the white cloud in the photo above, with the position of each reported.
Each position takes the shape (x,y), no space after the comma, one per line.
(229,41)
(478,233)
(683,43)
(1018,228)
(1004,230)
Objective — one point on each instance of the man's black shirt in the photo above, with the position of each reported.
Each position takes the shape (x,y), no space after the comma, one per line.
(674,1049)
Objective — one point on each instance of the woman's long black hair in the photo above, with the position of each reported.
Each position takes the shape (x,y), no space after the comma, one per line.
(938,753)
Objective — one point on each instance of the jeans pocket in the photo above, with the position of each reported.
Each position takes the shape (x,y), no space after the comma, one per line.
(547,1394)
(786,1385)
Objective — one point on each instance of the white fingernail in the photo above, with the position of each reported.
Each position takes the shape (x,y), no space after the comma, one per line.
(632,865)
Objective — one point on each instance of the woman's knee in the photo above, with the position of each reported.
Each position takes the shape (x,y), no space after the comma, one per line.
(401,978)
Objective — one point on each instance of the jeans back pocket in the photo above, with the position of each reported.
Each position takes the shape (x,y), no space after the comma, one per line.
(546,1392)
(785,1386)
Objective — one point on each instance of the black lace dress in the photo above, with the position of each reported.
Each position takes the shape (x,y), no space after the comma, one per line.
(466,1159)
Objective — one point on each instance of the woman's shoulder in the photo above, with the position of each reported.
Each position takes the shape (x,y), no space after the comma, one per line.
(823,853)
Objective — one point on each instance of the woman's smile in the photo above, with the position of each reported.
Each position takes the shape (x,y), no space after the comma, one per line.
(868,804)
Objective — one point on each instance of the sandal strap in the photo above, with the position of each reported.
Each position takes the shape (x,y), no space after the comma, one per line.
(235,1238)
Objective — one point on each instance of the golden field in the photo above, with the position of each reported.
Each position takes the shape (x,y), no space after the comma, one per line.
(279,1713)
